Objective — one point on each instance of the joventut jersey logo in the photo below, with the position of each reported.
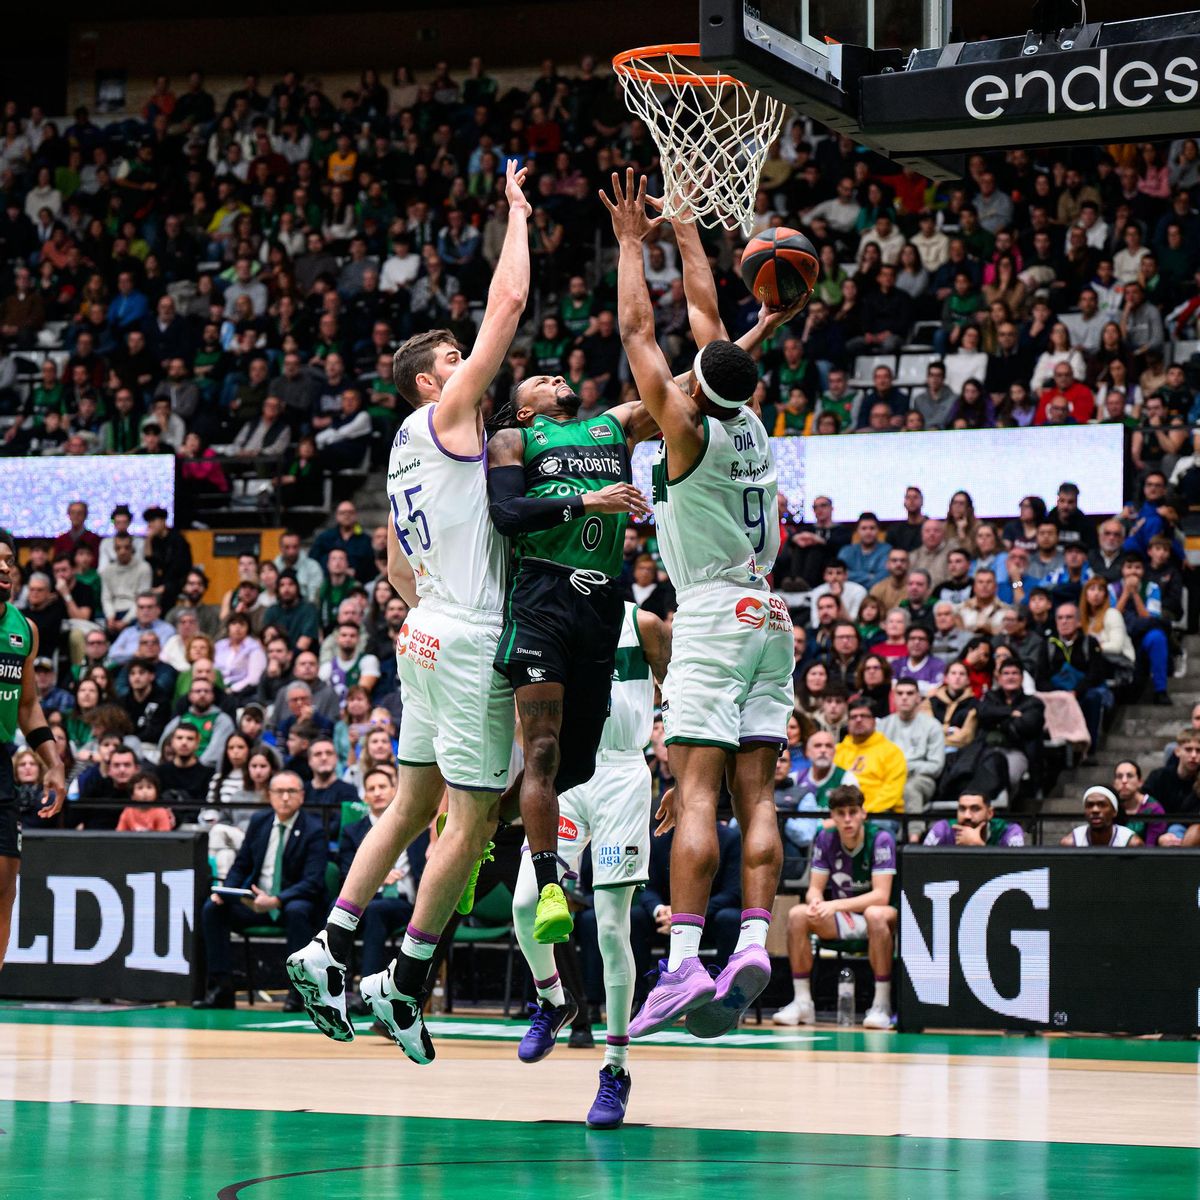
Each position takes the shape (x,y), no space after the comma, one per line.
(750,611)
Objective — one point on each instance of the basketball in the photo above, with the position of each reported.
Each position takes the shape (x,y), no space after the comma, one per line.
(779,267)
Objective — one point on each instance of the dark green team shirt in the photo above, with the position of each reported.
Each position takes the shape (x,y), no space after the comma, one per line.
(15,644)
(571,458)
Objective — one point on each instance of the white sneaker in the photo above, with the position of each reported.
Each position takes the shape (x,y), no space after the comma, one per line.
(799,1012)
(877,1018)
(321,982)
(400,1016)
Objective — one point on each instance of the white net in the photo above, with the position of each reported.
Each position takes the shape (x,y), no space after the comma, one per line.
(712,134)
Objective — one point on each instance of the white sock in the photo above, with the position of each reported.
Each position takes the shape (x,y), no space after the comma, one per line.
(343,918)
(551,989)
(800,989)
(883,994)
(755,922)
(616,1055)
(686,931)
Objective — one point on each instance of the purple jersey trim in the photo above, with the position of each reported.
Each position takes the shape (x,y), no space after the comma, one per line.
(762,739)
(463,458)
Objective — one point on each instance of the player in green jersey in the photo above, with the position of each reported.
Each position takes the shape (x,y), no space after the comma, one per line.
(561,488)
(19,709)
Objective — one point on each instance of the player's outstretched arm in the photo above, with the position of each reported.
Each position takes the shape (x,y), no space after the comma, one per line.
(513,512)
(457,413)
(31,719)
(656,642)
(698,285)
(675,413)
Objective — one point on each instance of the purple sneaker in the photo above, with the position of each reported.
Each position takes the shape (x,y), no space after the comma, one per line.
(608,1110)
(738,986)
(548,1020)
(675,993)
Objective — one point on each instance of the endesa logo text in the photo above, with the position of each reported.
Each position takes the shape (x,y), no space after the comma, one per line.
(1094,86)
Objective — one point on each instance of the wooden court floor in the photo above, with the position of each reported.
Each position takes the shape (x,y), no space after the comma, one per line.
(168,1104)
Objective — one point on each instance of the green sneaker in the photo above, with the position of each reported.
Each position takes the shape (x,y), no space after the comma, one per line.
(466,902)
(552,922)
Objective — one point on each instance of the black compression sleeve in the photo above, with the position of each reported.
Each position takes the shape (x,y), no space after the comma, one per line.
(514,512)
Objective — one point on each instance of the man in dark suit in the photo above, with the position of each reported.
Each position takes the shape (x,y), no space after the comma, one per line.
(391,908)
(652,908)
(282,861)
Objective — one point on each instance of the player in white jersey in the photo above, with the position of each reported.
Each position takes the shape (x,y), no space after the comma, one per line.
(727,694)
(448,562)
(612,812)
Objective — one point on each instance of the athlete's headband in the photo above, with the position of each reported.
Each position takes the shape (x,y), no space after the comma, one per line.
(708,391)
(1101,790)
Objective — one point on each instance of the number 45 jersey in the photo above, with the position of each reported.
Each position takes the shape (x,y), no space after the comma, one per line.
(440,510)
(718,521)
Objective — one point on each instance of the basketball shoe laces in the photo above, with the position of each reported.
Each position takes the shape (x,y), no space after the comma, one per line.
(583,579)
(541,1023)
(609,1093)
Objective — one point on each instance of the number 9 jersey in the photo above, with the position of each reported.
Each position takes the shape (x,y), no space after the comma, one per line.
(730,679)
(440,510)
(720,520)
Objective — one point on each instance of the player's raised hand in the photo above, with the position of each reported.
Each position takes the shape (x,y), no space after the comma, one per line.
(628,207)
(617,498)
(770,319)
(514,183)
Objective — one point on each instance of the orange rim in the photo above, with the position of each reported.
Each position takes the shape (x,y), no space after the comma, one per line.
(622,64)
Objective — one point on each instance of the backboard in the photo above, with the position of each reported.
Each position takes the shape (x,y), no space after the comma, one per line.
(886,73)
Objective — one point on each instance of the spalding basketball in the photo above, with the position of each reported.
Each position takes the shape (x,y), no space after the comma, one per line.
(779,267)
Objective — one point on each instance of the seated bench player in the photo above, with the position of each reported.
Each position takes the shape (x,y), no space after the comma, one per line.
(849,899)
(975,825)
(1101,808)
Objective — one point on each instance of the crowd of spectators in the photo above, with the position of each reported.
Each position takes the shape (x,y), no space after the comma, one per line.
(943,656)
(141,668)
(232,271)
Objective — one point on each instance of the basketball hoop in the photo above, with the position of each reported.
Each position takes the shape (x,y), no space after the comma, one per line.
(712,132)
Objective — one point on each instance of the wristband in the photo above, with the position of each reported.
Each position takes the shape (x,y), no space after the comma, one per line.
(38,737)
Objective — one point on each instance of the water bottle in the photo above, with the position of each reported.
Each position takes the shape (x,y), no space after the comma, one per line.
(845,997)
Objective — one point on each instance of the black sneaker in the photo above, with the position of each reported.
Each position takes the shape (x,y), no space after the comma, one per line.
(581,1038)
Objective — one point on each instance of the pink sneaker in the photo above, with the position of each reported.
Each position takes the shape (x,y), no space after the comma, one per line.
(675,993)
(738,986)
